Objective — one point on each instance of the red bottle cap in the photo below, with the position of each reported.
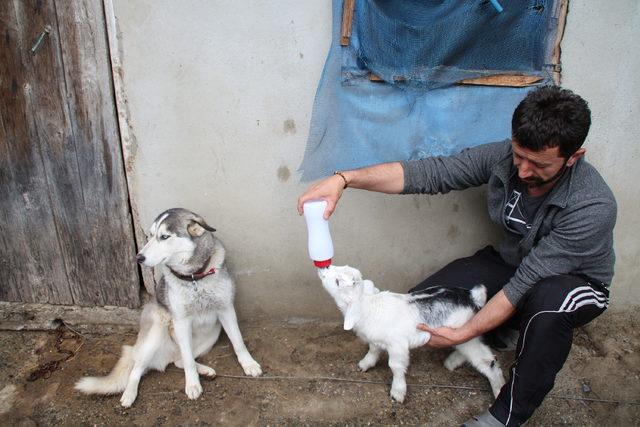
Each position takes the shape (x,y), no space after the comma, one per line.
(322,264)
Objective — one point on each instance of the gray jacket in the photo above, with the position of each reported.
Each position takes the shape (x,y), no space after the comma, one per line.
(572,232)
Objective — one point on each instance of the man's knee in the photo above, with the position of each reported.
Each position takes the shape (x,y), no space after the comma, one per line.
(550,293)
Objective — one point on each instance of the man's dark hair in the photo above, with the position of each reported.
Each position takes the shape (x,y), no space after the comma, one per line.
(551,117)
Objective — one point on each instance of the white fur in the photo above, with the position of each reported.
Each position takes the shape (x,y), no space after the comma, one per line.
(387,322)
(183,331)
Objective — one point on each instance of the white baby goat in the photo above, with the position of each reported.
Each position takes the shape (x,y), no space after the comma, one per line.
(387,322)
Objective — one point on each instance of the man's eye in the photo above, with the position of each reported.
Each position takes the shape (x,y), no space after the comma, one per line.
(164,237)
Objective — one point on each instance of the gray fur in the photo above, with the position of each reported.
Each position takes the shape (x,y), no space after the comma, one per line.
(177,221)
(186,317)
(435,304)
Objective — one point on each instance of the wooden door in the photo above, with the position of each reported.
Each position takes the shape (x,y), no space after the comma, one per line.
(66,233)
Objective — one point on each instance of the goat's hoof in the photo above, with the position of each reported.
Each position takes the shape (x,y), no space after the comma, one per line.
(450,365)
(364,367)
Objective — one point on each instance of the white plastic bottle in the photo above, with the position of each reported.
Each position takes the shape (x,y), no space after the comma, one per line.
(320,244)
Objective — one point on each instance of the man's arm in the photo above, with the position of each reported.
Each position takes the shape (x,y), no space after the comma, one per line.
(493,314)
(469,168)
(383,178)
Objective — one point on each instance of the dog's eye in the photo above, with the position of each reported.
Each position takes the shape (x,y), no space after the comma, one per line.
(337,282)
(164,237)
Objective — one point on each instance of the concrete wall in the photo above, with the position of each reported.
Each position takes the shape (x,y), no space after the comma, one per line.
(219,98)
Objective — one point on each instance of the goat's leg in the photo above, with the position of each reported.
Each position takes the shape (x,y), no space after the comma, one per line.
(454,361)
(370,359)
(398,362)
(480,357)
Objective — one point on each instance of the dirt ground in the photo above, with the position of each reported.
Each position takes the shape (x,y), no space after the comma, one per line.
(36,382)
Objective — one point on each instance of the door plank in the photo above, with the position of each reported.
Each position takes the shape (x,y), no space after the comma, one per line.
(71,124)
(90,100)
(28,234)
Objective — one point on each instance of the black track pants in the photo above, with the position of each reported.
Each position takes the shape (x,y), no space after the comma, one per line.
(545,316)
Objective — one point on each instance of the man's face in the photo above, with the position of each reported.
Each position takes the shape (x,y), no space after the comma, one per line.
(536,168)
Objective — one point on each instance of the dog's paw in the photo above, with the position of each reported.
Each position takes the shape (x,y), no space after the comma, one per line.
(252,368)
(206,371)
(398,394)
(128,397)
(193,390)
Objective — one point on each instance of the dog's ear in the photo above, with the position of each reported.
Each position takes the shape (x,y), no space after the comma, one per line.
(351,316)
(196,228)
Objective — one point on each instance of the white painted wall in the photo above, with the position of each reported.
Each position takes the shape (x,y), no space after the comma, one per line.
(220,96)
(601,62)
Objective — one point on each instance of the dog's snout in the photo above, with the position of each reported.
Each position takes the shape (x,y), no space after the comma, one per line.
(140,258)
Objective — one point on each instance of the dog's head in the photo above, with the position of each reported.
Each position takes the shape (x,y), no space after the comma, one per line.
(175,238)
(346,286)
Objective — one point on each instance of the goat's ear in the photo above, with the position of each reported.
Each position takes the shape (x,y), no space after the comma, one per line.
(351,317)
(369,288)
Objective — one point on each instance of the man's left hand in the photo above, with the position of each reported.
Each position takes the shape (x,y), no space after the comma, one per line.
(444,337)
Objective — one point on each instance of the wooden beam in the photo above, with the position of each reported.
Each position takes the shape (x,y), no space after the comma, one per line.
(18,316)
(562,21)
(511,80)
(127,138)
(347,20)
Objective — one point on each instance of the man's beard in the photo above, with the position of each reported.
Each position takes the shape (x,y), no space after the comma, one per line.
(534,182)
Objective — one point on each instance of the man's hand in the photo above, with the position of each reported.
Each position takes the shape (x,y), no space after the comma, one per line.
(329,189)
(493,314)
(445,337)
(383,178)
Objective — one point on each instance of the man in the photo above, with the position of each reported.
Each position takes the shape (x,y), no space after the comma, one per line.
(552,270)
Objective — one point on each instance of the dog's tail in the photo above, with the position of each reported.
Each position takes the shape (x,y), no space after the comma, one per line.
(113,383)
(479,295)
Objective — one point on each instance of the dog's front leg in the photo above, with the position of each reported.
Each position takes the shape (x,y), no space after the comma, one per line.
(230,324)
(182,329)
(398,362)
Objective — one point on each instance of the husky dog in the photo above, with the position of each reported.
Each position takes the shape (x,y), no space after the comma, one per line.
(193,301)
(387,322)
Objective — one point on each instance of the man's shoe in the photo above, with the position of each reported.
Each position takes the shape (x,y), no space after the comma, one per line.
(483,420)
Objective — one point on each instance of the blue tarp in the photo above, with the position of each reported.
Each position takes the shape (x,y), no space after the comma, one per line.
(357,122)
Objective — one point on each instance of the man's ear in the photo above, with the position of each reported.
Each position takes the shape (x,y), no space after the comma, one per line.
(575,156)
(351,317)
(197,228)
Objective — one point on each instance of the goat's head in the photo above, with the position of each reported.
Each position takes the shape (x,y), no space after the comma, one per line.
(346,286)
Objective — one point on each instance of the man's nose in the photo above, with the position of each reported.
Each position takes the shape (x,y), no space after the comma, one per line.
(524,169)
(140,258)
